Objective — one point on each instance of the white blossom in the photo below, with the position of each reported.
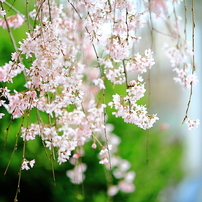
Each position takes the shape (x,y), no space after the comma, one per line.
(192,124)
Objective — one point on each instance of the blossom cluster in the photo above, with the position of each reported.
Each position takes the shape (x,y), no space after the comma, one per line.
(66,60)
(57,82)
(26,165)
(108,155)
(127,108)
(77,174)
(120,167)
(14,21)
(180,58)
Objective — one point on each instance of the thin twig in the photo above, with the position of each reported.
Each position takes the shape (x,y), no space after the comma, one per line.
(193,37)
(9,30)
(193,62)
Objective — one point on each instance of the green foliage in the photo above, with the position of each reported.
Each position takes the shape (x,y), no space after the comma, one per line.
(155,161)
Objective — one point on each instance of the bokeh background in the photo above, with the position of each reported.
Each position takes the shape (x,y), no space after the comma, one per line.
(167,159)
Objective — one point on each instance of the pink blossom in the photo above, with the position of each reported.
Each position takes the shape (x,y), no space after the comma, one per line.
(10,70)
(31,132)
(104,161)
(140,63)
(117,50)
(126,187)
(99,82)
(20,102)
(192,124)
(68,61)
(159,7)
(113,190)
(25,164)
(2,12)
(130,176)
(105,150)
(31,163)
(76,155)
(77,174)
(94,146)
(14,21)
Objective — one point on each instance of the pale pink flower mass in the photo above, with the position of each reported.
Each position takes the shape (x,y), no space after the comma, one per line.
(68,65)
(14,21)
(104,161)
(77,174)
(192,124)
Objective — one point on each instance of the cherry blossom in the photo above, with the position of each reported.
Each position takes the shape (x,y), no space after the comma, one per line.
(158,7)
(126,186)
(31,132)
(94,146)
(68,59)
(14,21)
(180,58)
(2,12)
(113,190)
(10,70)
(192,124)
(27,164)
(77,174)
(132,113)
